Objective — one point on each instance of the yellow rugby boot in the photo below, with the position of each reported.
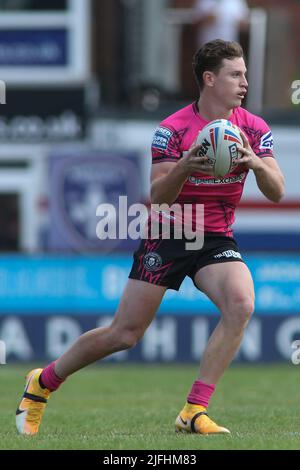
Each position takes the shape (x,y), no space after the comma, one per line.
(31,409)
(194,419)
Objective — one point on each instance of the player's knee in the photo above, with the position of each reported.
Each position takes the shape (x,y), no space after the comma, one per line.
(245,307)
(239,311)
(128,339)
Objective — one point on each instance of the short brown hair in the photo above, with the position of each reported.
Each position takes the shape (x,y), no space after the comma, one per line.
(210,57)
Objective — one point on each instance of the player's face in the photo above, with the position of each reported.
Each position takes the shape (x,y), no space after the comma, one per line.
(230,84)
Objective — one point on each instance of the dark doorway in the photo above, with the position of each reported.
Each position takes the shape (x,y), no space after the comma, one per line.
(9,222)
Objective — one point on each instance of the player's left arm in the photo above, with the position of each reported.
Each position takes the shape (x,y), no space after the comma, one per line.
(269,177)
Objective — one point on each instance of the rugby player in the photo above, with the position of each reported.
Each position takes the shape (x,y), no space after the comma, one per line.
(180,175)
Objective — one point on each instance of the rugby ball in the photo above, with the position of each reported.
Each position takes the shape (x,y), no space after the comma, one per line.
(220,140)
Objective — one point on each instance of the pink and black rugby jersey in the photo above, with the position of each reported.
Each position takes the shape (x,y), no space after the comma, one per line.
(220,196)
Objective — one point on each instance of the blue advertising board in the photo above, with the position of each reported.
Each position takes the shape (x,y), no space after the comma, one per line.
(34,47)
(93,284)
(47,302)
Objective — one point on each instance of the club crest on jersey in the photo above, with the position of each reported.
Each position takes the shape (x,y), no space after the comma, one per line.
(161,138)
(152,261)
(266,142)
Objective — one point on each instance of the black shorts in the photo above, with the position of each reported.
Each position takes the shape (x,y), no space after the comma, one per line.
(167,262)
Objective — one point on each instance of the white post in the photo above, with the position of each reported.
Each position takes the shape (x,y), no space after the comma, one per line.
(256,61)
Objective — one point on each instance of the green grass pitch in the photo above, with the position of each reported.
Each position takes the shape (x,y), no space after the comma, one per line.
(130,407)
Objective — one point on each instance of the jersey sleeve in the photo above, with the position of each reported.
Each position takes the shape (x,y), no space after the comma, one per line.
(165,145)
(261,139)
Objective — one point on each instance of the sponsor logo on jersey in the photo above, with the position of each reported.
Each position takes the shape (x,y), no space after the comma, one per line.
(152,261)
(228,254)
(161,138)
(228,180)
(266,142)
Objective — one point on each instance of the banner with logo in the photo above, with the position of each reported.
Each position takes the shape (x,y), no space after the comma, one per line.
(80,182)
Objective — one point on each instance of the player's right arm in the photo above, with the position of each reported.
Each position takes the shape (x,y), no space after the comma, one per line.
(168,178)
